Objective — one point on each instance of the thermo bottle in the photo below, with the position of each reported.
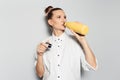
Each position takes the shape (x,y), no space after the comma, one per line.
(77,27)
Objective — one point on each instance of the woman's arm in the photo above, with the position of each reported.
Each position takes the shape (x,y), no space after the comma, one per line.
(89,55)
(39,66)
(41,48)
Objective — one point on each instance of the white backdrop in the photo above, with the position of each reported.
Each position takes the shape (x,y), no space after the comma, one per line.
(22,27)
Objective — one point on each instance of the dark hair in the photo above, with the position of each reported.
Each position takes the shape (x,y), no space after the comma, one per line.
(49,12)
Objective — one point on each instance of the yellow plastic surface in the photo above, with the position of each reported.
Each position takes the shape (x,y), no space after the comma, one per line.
(77,27)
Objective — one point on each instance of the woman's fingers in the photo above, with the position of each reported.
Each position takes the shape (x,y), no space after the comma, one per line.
(42,47)
(78,36)
(75,34)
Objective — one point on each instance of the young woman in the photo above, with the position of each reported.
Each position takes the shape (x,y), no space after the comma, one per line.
(67,54)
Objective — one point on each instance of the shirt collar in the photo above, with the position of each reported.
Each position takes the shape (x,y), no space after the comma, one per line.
(60,38)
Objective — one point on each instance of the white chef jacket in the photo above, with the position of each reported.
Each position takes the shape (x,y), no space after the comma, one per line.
(64,59)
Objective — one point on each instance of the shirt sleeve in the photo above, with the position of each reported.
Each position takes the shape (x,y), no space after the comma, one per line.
(85,65)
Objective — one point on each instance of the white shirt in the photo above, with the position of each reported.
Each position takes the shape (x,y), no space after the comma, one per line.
(64,59)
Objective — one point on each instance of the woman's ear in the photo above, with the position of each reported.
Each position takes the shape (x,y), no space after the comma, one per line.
(50,22)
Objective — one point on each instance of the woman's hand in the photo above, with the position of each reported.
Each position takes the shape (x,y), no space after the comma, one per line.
(41,48)
(80,38)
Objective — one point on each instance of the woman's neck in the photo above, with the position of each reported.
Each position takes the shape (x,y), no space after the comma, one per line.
(57,32)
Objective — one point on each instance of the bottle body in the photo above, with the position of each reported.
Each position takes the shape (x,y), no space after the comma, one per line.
(77,27)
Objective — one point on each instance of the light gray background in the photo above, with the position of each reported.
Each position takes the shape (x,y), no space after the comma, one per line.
(22,27)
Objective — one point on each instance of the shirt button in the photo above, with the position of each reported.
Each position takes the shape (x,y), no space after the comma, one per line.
(58,64)
(58,46)
(58,55)
(58,76)
(58,39)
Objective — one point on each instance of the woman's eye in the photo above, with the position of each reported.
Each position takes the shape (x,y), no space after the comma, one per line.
(65,17)
(58,17)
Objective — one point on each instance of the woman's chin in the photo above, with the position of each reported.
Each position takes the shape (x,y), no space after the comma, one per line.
(61,29)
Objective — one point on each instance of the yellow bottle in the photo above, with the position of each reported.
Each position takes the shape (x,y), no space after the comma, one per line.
(77,27)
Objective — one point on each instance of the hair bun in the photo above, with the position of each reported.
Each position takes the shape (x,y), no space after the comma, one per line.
(48,9)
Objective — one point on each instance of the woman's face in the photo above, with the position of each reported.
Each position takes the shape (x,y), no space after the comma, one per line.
(58,20)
